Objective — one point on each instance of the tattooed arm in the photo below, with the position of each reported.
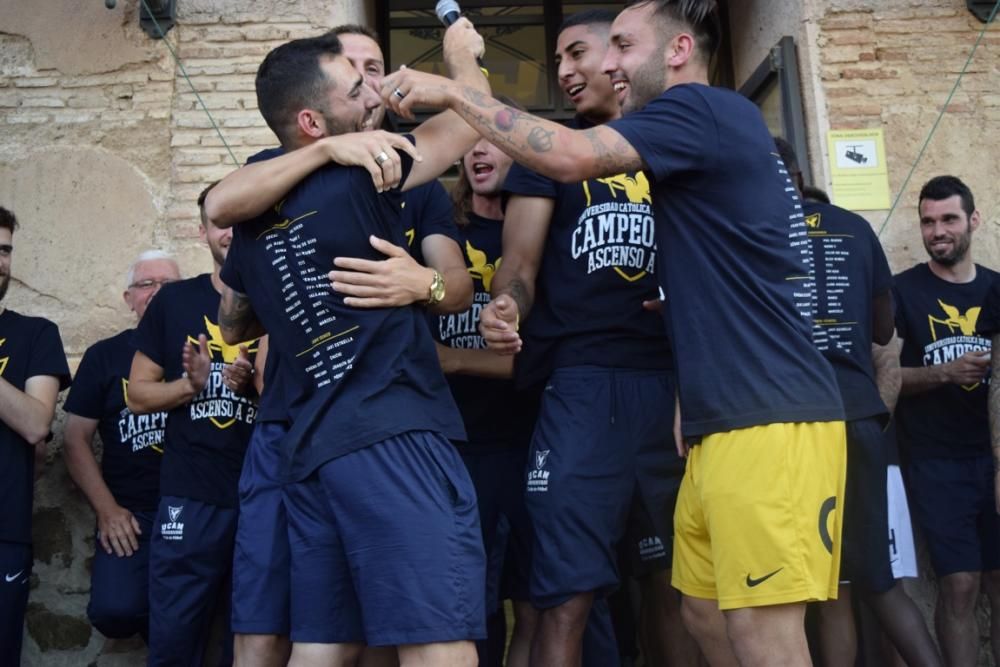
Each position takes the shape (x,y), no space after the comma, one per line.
(237,321)
(525,227)
(887,376)
(558,152)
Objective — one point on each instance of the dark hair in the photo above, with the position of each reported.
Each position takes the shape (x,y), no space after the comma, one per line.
(700,16)
(201,200)
(812,193)
(8,220)
(461,194)
(589,17)
(354,29)
(787,153)
(290,79)
(944,187)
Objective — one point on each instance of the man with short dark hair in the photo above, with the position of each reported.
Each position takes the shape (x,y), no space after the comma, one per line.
(367,444)
(178,367)
(609,478)
(33,370)
(124,490)
(753,388)
(943,428)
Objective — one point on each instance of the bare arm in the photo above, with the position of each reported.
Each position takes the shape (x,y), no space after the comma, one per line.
(526,224)
(29,413)
(481,363)
(116,526)
(445,138)
(883,323)
(886,361)
(443,254)
(147,392)
(549,148)
(967,370)
(252,189)
(237,320)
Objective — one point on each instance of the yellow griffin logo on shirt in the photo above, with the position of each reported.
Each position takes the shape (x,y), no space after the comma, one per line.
(479,266)
(227,353)
(813,220)
(955,320)
(636,190)
(3,360)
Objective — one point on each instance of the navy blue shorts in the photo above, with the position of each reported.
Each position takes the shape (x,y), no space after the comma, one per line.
(864,560)
(952,502)
(642,551)
(15,568)
(119,587)
(261,565)
(497,475)
(603,437)
(386,547)
(190,558)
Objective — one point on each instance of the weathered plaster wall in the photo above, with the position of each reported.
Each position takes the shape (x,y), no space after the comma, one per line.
(103,151)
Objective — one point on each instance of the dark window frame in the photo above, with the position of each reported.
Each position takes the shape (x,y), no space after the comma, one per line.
(781,68)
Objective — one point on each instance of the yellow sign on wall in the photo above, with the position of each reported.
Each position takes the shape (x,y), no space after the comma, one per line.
(858,169)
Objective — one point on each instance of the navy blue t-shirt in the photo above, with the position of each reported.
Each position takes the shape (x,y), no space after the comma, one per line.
(598,266)
(206,438)
(491,408)
(373,373)
(851,270)
(733,261)
(29,347)
(426,210)
(133,444)
(939,322)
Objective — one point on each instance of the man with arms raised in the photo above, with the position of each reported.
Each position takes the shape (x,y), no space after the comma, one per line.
(757,399)
(33,370)
(375,414)
(589,329)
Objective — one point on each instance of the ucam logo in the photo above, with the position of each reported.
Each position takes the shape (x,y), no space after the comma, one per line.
(174,512)
(173,529)
(538,479)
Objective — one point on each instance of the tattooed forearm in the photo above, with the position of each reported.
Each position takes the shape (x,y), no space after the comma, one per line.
(237,320)
(888,378)
(522,295)
(540,139)
(611,160)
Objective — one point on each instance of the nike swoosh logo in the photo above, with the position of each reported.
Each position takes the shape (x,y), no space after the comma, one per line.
(751,582)
(12,577)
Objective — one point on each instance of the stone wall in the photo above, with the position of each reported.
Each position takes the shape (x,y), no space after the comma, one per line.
(103,151)
(105,147)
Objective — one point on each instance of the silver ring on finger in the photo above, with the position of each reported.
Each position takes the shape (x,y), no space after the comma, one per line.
(399,93)
(381,158)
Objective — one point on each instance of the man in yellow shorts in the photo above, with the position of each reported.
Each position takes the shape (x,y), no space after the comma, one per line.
(757,524)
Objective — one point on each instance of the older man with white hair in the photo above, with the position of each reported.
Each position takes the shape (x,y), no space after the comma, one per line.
(124,489)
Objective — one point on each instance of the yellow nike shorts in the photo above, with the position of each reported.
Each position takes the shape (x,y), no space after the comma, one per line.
(758,515)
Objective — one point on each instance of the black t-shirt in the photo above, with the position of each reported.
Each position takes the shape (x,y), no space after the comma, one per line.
(598,266)
(733,260)
(427,210)
(851,270)
(29,347)
(133,444)
(372,373)
(939,322)
(206,438)
(491,408)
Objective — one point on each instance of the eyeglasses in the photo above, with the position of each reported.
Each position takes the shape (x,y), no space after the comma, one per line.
(150,284)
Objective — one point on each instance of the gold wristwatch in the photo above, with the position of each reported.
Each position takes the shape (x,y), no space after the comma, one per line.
(436,293)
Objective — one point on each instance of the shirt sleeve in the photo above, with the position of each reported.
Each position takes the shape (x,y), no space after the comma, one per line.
(86,397)
(674,133)
(48,356)
(897,302)
(527,183)
(436,215)
(988,323)
(881,273)
(149,335)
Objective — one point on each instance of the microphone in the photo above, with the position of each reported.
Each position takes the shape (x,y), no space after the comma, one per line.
(448,12)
